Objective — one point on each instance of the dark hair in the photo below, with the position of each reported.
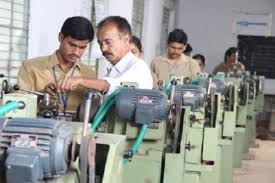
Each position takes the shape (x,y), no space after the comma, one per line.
(188,48)
(200,57)
(177,35)
(78,27)
(122,24)
(136,41)
(230,51)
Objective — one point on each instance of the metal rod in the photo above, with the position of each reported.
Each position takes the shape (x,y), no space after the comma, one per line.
(34,92)
(17,87)
(87,112)
(209,85)
(172,94)
(178,110)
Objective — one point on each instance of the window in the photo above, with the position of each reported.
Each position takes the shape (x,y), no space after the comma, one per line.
(14,20)
(137,18)
(257,53)
(87,57)
(164,29)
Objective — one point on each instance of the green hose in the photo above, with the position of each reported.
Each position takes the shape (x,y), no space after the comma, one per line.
(167,88)
(196,80)
(137,143)
(8,107)
(102,114)
(140,138)
(106,101)
(104,107)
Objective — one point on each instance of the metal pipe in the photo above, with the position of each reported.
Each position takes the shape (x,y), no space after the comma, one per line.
(174,82)
(177,127)
(87,112)
(209,86)
(91,159)
(47,99)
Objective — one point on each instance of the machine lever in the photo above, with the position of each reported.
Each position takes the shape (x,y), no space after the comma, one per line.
(189,146)
(17,87)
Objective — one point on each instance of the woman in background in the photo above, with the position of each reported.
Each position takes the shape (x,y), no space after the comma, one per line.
(201,61)
(136,47)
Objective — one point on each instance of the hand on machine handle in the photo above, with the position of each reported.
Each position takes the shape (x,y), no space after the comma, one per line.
(51,89)
(67,84)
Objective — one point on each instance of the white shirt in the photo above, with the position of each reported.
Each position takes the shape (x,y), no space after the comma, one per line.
(128,69)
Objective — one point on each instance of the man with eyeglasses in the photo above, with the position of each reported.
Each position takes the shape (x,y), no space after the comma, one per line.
(114,37)
(174,62)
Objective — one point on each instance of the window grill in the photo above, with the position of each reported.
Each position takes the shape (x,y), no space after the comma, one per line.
(137,18)
(14,21)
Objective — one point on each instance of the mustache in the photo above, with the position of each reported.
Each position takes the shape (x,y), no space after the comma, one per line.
(73,55)
(176,54)
(105,53)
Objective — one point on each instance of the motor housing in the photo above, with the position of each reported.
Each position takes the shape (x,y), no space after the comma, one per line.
(141,105)
(33,149)
(190,95)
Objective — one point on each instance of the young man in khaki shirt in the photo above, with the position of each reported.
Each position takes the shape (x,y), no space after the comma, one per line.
(174,62)
(230,62)
(43,73)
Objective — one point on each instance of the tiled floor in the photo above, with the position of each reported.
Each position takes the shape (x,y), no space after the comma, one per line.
(262,169)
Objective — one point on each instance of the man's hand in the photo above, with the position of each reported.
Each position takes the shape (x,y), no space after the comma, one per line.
(50,89)
(67,84)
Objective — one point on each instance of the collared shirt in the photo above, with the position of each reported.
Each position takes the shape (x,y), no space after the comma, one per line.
(128,69)
(163,69)
(36,73)
(222,68)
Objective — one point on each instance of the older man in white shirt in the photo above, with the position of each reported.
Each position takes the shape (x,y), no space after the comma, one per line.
(129,69)
(114,36)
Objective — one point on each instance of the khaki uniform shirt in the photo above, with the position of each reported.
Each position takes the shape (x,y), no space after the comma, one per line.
(162,69)
(36,73)
(222,68)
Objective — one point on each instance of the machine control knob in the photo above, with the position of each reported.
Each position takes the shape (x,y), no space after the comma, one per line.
(189,146)
(192,117)
(128,154)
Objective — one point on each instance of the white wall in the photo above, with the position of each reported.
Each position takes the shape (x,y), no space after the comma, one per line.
(151,28)
(122,8)
(46,19)
(152,24)
(208,25)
